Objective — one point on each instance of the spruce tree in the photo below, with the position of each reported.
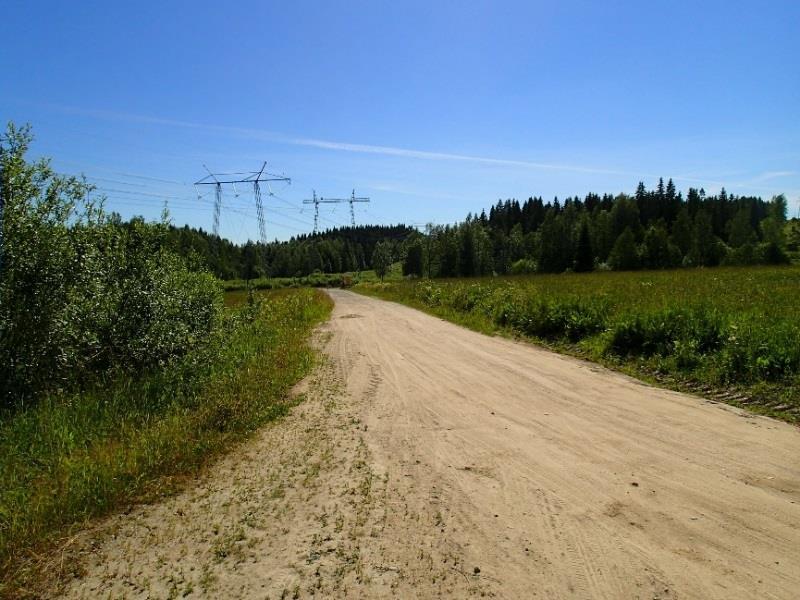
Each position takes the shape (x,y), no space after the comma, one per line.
(584,257)
(682,231)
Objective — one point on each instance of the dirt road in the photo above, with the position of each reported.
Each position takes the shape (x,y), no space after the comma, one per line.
(428,460)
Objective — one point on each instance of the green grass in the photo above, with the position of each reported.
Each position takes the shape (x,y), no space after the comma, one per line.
(314,280)
(731,333)
(73,457)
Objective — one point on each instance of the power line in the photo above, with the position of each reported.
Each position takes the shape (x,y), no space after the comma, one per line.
(114,181)
(146,194)
(253,177)
(317,200)
(300,208)
(132,202)
(147,187)
(139,193)
(123,173)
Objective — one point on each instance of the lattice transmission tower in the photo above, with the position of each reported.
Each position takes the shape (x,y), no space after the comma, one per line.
(317,200)
(256,178)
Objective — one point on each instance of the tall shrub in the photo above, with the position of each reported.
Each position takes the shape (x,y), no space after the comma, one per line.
(81,296)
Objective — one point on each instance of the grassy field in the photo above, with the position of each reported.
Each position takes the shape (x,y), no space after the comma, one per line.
(728,333)
(70,458)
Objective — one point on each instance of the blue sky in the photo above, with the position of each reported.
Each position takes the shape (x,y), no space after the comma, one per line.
(433,109)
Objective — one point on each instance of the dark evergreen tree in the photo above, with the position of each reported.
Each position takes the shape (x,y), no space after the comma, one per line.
(466,260)
(554,255)
(584,257)
(412,264)
(682,231)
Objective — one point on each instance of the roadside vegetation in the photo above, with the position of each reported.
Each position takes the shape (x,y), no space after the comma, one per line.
(386,272)
(731,333)
(120,367)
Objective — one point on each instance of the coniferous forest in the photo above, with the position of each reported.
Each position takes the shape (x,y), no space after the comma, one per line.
(652,229)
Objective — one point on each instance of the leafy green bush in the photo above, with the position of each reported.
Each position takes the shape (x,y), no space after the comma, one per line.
(572,318)
(523,266)
(699,329)
(468,297)
(758,351)
(81,296)
(428,293)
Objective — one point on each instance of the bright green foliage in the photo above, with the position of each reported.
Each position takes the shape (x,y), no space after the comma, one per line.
(571,318)
(382,259)
(81,296)
(773,231)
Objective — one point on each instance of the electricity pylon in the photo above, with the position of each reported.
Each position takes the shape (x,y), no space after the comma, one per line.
(254,177)
(317,200)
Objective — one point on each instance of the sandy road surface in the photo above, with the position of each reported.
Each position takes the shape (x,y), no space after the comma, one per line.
(429,460)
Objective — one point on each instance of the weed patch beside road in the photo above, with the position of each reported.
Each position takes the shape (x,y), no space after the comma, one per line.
(73,457)
(728,333)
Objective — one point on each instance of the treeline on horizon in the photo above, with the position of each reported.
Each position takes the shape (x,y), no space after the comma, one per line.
(651,229)
(338,250)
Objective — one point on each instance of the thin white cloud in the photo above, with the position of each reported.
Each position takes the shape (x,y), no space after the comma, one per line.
(259,134)
(332,144)
(772,175)
(427,155)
